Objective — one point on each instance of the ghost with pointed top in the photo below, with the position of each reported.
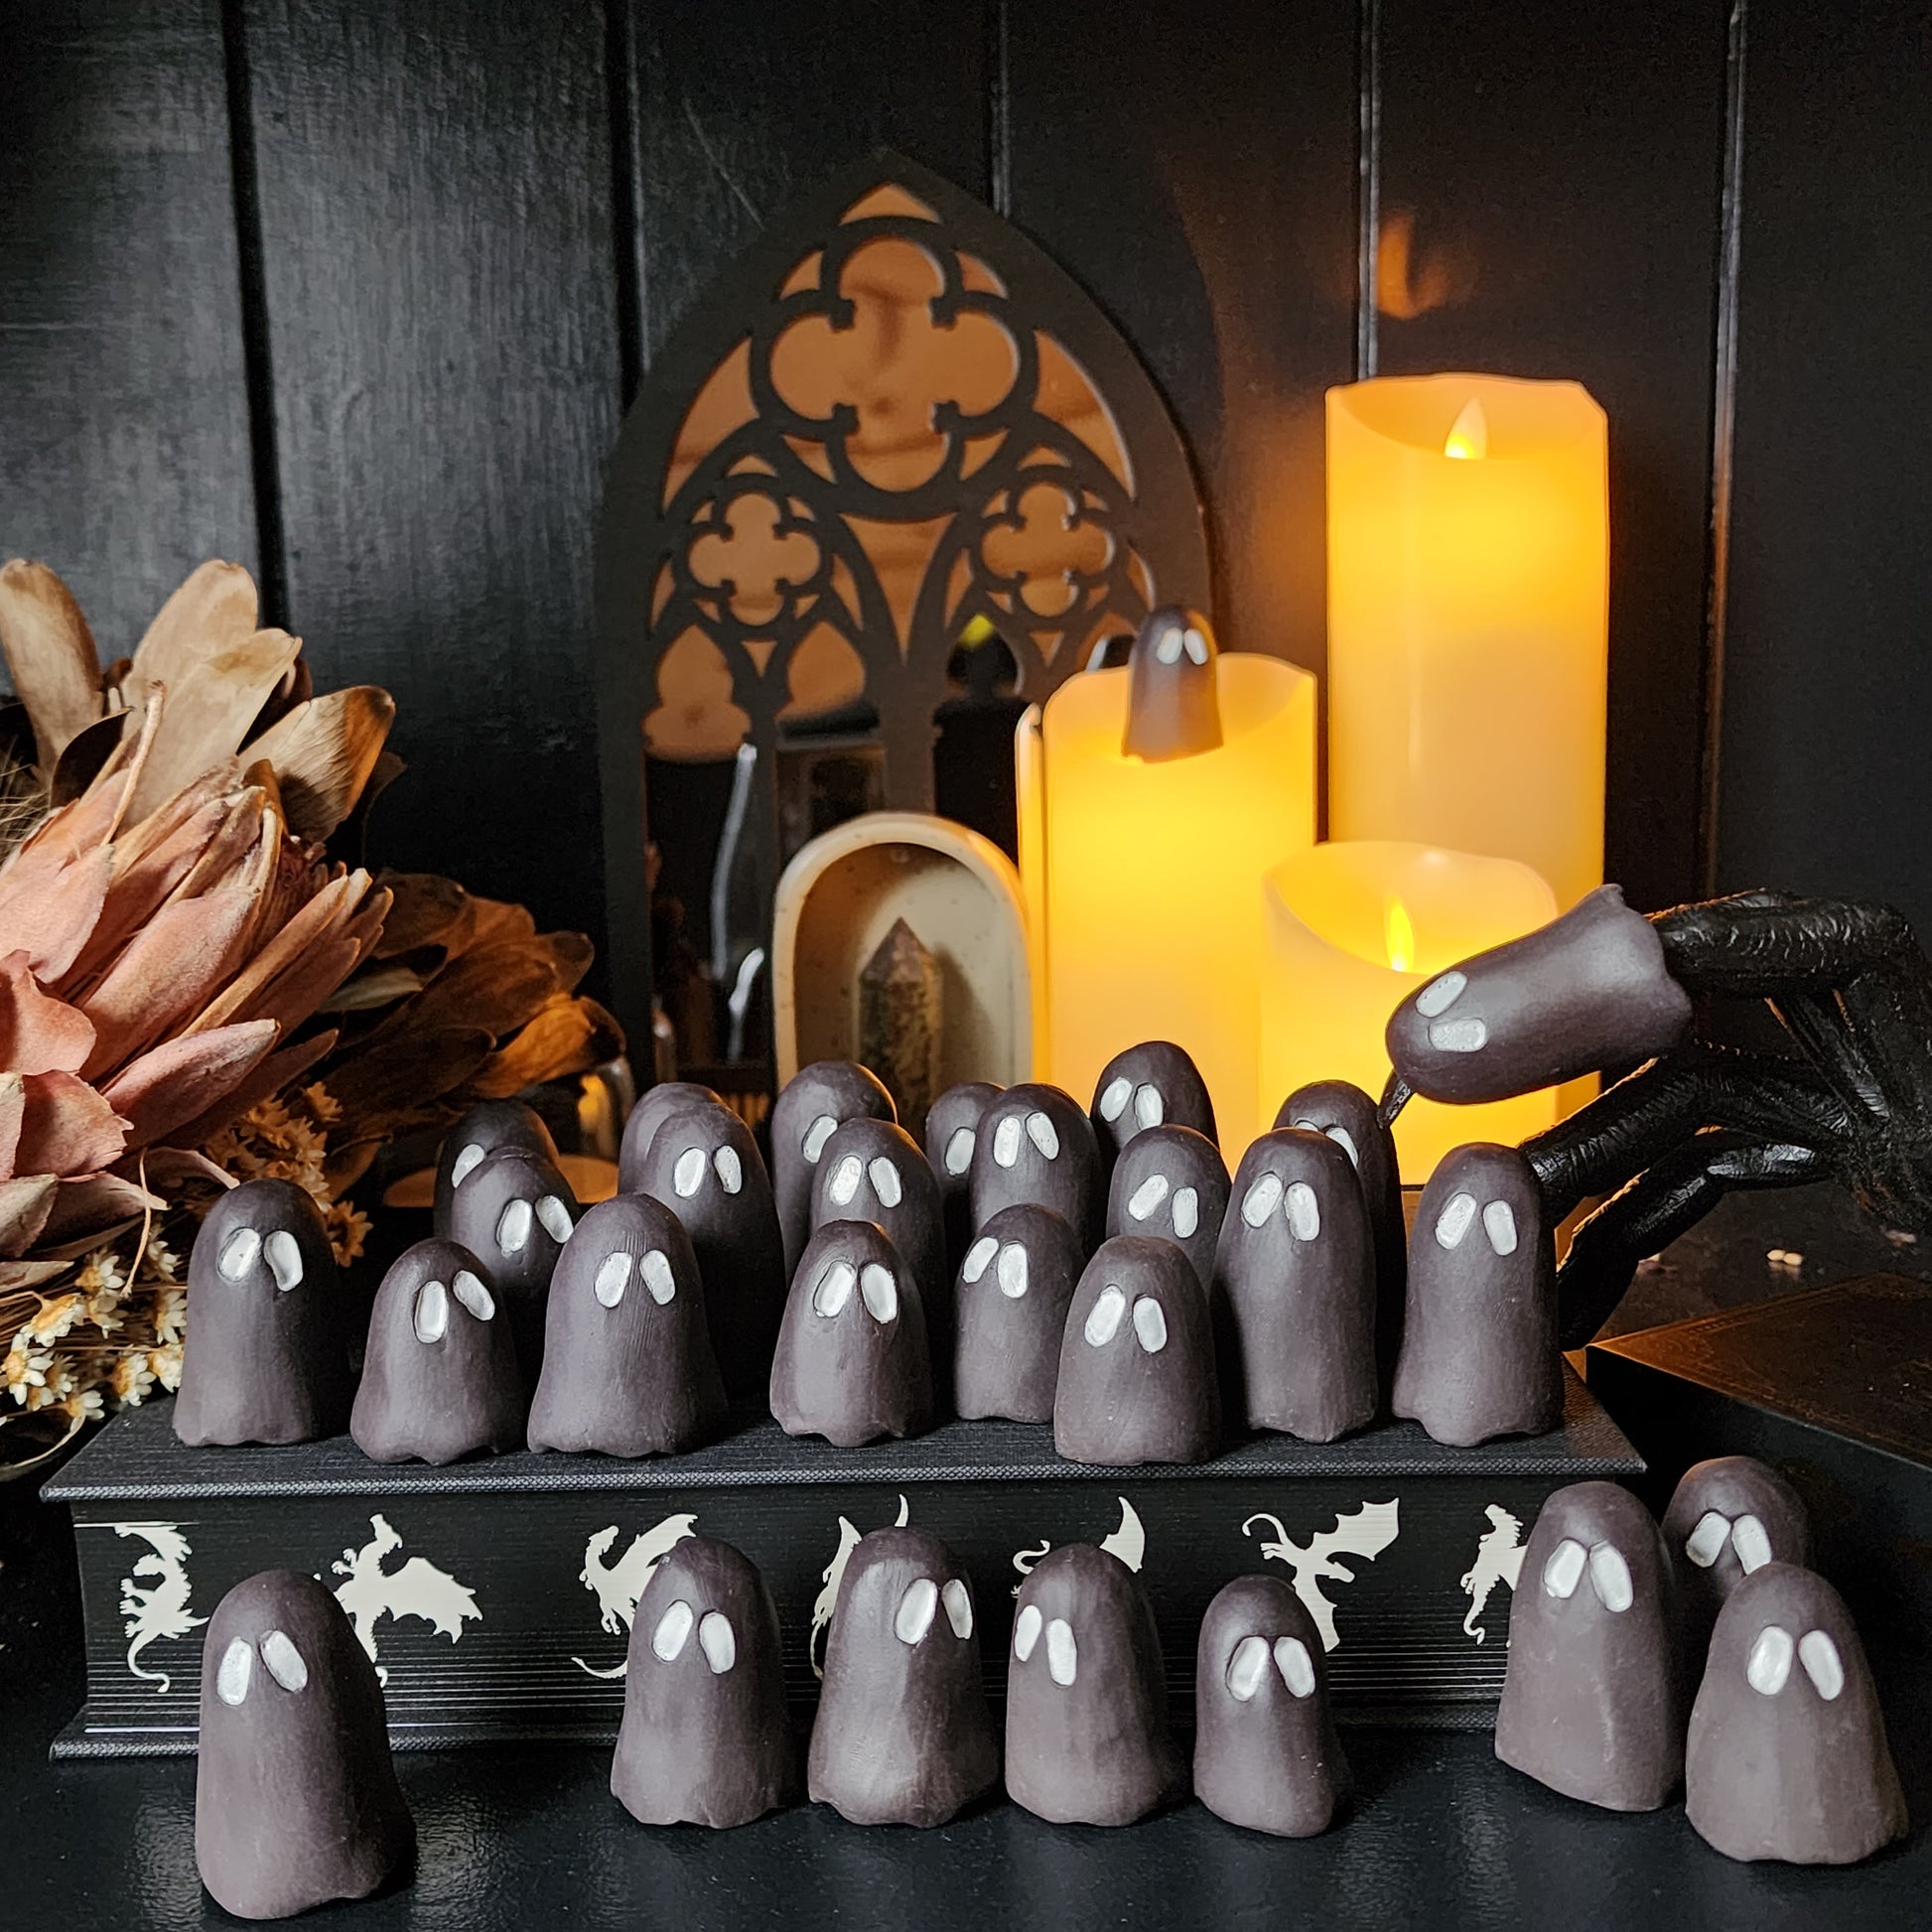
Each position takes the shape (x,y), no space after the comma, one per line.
(514,1212)
(952,1125)
(705,1738)
(1087,1737)
(1174,704)
(852,1363)
(1172,1182)
(902,1735)
(1036,1144)
(1137,1379)
(486,1127)
(1266,1753)
(266,1354)
(440,1379)
(1153,1084)
(1788,1756)
(1011,1300)
(1728,1517)
(1479,1356)
(1592,1705)
(815,1103)
(296,1800)
(627,1366)
(654,1107)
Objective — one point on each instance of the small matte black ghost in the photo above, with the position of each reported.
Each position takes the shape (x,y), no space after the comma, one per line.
(951,1134)
(705,1167)
(296,1800)
(1137,1361)
(1172,1182)
(1788,1756)
(1153,1084)
(1087,1740)
(1173,702)
(1011,1300)
(1348,1117)
(1587,991)
(514,1212)
(441,1378)
(489,1125)
(1728,1518)
(266,1355)
(1479,1356)
(654,1107)
(705,1738)
(628,1365)
(1591,1703)
(817,1100)
(852,1361)
(902,1735)
(1294,1277)
(1266,1753)
(1036,1144)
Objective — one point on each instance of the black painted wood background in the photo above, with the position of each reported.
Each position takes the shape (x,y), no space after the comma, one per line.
(357,294)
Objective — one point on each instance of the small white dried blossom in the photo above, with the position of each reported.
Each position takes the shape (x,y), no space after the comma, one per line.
(23,1372)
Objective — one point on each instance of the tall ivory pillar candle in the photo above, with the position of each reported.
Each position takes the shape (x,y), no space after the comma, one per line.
(1468,572)
(1352,930)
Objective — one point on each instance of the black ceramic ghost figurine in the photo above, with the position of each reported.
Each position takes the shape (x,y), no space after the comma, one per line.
(1592,1705)
(1137,1379)
(1087,1740)
(514,1212)
(627,1366)
(296,1800)
(705,1738)
(1479,1356)
(489,1125)
(654,1107)
(951,1134)
(1010,1311)
(1172,1182)
(817,1100)
(441,1378)
(1728,1518)
(852,1363)
(1173,702)
(1266,1753)
(705,1167)
(266,1355)
(902,1735)
(1036,1144)
(1153,1084)
(1295,1281)
(1348,1117)
(1788,1757)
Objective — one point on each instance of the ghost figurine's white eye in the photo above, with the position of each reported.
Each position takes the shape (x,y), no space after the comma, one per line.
(1149,1108)
(1565,1569)
(238,1667)
(1770,1664)
(239,1253)
(284,1255)
(886,1183)
(673,1627)
(1006,1141)
(1062,1654)
(474,1295)
(1499,1224)
(729,1169)
(718,1640)
(879,1292)
(1440,995)
(1344,1140)
(959,1150)
(816,1135)
(1297,1667)
(1012,1271)
(1044,1135)
(1754,1546)
(1171,644)
(1114,1098)
(843,1187)
(660,1283)
(687,1176)
(1149,1325)
(612,1278)
(1187,1211)
(1246,1668)
(1261,1200)
(1455,1220)
(1458,1036)
(958,1600)
(977,1258)
(917,1609)
(514,1226)
(1609,1576)
(1195,645)
(1025,1631)
(1149,1196)
(1706,1543)
(469,1159)
(835,1287)
(1303,1211)
(1103,1319)
(1819,1655)
(555,1218)
(432,1311)
(283,1661)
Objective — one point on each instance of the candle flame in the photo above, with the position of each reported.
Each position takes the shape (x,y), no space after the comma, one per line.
(1399,936)
(1469,434)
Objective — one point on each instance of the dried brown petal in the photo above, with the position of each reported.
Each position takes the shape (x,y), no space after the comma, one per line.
(323,752)
(24,1207)
(568,1037)
(423,909)
(51,654)
(214,606)
(65,1127)
(38,1033)
(279,1070)
(186,1077)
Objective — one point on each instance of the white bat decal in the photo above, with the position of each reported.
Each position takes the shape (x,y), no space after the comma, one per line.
(1364,1533)
(618,1585)
(833,1575)
(1499,1560)
(1128,1542)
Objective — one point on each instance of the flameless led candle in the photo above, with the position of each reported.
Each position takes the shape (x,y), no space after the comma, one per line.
(1143,878)
(1469,560)
(1352,930)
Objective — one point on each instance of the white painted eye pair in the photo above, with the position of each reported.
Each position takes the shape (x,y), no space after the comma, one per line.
(1150,1321)
(1747,1535)
(1037,1128)
(1150,1108)
(1300,1207)
(1175,641)
(1768,1667)
(432,1313)
(687,1176)
(1609,1574)
(843,1188)
(514,1223)
(282,1250)
(715,1639)
(1252,1656)
(1062,1653)
(877,1289)
(816,1135)
(237,1669)
(1147,1196)
(1450,1035)
(959,1150)
(920,1603)
(1459,1216)
(1011,1271)
(1342,1137)
(614,1277)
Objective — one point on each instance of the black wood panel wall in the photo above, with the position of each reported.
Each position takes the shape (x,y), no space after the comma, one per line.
(358,294)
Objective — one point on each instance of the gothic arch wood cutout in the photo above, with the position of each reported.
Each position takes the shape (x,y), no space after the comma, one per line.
(894,428)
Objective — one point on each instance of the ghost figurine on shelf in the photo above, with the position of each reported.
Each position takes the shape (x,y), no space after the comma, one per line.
(814,1103)
(1010,1304)
(1153,1084)
(1036,1143)
(1728,1517)
(513,1210)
